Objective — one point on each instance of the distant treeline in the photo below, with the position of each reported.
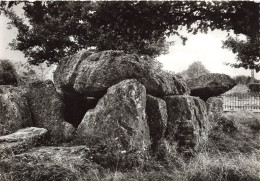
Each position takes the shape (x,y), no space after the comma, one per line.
(242,79)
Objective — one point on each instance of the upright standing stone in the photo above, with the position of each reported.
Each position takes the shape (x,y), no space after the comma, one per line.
(157,116)
(187,121)
(14,110)
(119,118)
(47,110)
(214,107)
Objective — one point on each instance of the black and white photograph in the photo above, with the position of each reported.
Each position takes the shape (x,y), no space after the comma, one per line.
(130,90)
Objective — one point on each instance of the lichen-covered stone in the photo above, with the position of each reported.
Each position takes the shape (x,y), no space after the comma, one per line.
(47,109)
(67,70)
(156,111)
(14,110)
(215,107)
(187,122)
(210,85)
(91,75)
(21,141)
(119,118)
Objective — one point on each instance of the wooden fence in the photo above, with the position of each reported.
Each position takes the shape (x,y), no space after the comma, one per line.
(241,101)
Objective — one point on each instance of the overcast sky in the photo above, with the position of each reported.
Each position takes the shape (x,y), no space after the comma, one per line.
(203,47)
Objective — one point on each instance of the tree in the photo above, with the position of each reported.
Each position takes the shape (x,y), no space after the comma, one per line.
(58,29)
(245,80)
(194,70)
(247,52)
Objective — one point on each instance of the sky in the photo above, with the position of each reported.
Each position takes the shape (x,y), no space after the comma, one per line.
(205,48)
(201,47)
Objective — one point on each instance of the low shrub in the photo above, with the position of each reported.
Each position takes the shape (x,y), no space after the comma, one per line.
(254,87)
(8,75)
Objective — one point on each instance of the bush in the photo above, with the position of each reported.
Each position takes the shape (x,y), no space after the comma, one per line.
(8,74)
(254,87)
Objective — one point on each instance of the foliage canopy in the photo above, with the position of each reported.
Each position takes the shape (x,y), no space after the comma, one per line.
(53,30)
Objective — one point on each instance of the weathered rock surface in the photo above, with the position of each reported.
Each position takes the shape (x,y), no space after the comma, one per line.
(14,110)
(47,109)
(91,75)
(210,85)
(21,141)
(119,118)
(50,163)
(214,107)
(157,116)
(187,122)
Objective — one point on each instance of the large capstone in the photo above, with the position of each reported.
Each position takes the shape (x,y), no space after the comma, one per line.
(92,74)
(210,85)
(119,119)
(187,122)
(14,110)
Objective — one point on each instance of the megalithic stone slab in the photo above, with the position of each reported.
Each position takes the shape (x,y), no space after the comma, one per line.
(92,74)
(119,118)
(187,122)
(210,85)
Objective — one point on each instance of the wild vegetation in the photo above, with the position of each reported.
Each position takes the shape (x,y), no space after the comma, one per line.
(8,74)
